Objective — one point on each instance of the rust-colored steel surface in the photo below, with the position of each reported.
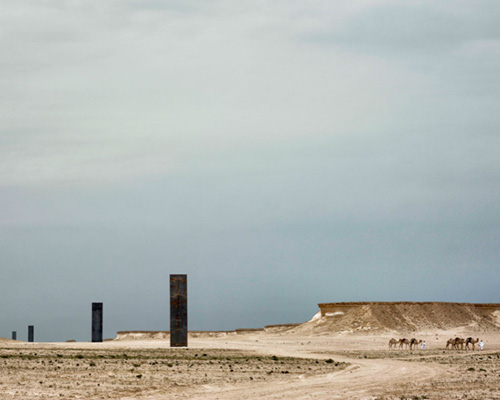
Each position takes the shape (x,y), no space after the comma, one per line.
(178,311)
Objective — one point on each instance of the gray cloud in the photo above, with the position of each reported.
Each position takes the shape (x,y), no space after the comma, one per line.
(282,154)
(423,27)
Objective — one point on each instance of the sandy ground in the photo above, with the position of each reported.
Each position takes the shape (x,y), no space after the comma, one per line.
(250,366)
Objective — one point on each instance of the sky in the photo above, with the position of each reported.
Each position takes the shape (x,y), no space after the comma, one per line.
(280,153)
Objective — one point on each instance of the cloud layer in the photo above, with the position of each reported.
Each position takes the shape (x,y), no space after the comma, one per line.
(280,153)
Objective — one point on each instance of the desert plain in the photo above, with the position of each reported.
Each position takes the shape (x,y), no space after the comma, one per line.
(302,362)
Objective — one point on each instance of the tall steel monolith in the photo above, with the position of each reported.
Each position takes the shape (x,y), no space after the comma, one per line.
(14,335)
(31,333)
(96,322)
(178,311)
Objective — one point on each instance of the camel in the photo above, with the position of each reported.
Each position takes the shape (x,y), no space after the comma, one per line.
(471,341)
(392,343)
(451,343)
(404,342)
(459,342)
(414,343)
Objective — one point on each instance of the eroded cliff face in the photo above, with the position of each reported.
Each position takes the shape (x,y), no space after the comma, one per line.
(164,335)
(403,317)
(142,335)
(368,317)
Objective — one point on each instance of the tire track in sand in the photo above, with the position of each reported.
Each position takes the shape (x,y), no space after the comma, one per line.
(362,379)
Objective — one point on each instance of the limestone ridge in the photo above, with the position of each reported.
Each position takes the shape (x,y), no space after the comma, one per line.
(376,317)
(368,318)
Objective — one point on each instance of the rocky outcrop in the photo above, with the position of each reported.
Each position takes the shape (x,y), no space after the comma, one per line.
(377,317)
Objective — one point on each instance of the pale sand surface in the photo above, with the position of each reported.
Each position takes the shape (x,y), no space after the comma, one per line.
(242,367)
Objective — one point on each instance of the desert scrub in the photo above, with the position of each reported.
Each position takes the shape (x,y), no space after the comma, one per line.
(94,373)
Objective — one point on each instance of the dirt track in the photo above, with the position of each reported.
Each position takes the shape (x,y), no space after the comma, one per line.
(243,367)
(364,378)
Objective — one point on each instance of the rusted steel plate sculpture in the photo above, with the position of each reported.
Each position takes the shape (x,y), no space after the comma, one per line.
(178,311)
(97,322)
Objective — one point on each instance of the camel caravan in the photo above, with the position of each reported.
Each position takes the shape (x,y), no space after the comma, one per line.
(404,343)
(460,343)
(453,343)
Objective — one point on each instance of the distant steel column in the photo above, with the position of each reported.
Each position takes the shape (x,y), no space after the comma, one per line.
(96,322)
(178,311)
(14,335)
(31,333)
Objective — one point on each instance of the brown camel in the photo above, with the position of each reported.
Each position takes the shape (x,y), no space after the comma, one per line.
(414,343)
(404,342)
(471,341)
(459,342)
(450,343)
(392,343)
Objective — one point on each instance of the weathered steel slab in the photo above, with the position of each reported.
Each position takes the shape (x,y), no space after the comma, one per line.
(178,311)
(31,333)
(14,335)
(97,317)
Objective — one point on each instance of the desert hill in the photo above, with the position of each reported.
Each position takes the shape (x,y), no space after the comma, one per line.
(369,317)
(379,317)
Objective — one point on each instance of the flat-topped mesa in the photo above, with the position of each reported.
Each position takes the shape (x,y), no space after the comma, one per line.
(279,328)
(333,308)
(404,316)
(165,335)
(244,331)
(142,335)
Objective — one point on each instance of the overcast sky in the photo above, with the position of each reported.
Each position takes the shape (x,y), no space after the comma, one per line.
(280,153)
